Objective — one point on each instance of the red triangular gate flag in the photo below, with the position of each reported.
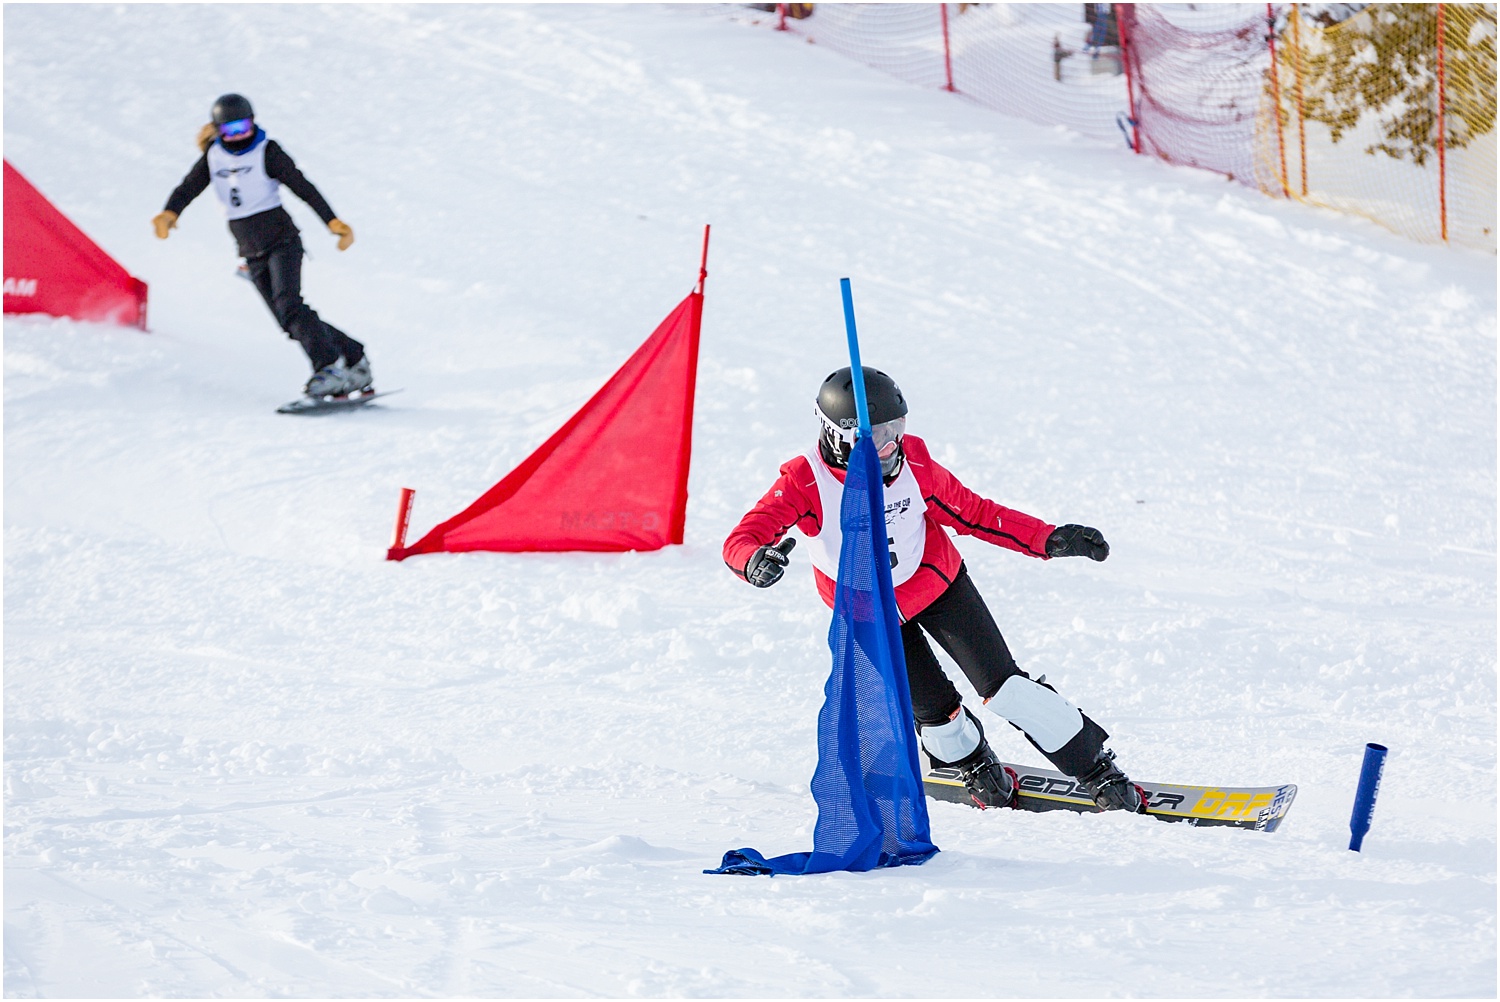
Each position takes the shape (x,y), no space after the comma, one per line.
(51,266)
(613,478)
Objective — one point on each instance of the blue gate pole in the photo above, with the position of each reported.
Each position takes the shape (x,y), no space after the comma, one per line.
(861,408)
(1369,789)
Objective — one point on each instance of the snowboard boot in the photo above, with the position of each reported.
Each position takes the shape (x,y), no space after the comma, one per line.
(357,377)
(990,784)
(959,744)
(1111,789)
(328,381)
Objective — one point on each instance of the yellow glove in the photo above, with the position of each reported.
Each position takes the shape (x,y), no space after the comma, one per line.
(206,137)
(164,221)
(346,235)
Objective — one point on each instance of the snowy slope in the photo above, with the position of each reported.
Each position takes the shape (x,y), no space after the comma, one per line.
(246,756)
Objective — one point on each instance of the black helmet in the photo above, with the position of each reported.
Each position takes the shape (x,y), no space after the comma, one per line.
(232,108)
(839,418)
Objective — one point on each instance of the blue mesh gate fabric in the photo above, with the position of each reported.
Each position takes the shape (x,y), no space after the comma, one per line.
(867,785)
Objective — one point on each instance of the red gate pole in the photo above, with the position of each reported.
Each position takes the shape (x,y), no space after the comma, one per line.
(781,17)
(1126,55)
(947,49)
(1442,136)
(703,265)
(1276,97)
(403,518)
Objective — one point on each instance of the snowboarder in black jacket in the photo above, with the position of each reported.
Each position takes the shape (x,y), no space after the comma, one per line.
(247,170)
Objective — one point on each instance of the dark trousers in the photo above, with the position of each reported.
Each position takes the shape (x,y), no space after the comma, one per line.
(961,623)
(278,277)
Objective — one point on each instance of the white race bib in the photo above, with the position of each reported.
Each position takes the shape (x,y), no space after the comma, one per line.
(905,522)
(241,181)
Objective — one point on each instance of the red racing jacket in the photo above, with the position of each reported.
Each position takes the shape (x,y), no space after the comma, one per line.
(794,501)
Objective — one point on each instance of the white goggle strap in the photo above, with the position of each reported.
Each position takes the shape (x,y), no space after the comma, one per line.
(847,434)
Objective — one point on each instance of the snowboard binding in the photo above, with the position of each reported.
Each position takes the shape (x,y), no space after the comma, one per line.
(1111,789)
(989,782)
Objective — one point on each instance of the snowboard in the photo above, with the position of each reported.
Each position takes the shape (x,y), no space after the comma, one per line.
(329,405)
(1260,808)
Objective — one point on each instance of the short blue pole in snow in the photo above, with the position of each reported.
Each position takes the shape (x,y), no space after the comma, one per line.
(861,408)
(1369,789)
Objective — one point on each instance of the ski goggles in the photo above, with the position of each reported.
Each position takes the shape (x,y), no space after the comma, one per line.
(237,129)
(886,435)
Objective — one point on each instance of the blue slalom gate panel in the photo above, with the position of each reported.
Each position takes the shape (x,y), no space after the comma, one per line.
(872,810)
(868,788)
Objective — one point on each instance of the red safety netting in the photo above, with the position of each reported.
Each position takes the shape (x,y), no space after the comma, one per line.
(1198,75)
(614,477)
(52,267)
(902,39)
(1057,64)
(1193,84)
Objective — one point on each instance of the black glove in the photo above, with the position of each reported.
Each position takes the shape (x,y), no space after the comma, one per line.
(1077,541)
(767,564)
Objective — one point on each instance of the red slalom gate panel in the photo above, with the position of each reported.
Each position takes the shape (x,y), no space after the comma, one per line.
(52,267)
(613,478)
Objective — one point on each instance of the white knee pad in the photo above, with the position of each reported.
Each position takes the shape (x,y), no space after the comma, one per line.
(1046,717)
(953,741)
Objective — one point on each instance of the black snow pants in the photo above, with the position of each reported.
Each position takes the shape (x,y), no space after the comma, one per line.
(277,274)
(961,623)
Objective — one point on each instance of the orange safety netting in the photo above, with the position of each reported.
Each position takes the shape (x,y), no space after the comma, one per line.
(1361,105)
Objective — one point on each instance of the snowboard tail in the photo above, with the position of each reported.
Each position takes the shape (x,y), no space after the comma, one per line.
(1260,808)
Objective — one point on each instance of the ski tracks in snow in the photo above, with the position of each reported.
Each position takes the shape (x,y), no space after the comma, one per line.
(246,756)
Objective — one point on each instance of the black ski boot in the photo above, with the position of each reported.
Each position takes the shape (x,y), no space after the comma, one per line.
(989,783)
(1111,789)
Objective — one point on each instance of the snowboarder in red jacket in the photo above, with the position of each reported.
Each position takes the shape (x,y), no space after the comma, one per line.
(934,593)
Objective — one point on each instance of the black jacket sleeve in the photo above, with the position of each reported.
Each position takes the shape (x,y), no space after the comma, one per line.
(191,187)
(280,166)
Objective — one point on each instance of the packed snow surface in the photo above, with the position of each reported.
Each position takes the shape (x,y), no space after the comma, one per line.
(247,756)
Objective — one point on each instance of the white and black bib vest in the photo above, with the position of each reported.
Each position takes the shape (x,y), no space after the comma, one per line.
(241,181)
(905,522)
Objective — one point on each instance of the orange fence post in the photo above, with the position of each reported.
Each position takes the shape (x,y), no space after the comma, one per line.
(781,17)
(1442,126)
(1296,19)
(1276,96)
